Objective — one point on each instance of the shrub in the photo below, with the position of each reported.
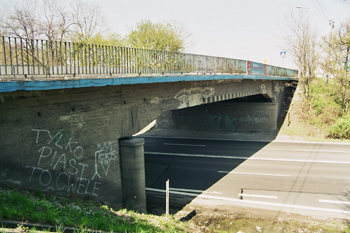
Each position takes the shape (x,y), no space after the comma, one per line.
(324,108)
(340,129)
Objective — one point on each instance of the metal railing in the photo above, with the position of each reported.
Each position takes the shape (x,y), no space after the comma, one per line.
(22,57)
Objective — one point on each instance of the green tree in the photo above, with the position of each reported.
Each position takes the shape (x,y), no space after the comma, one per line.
(158,36)
(112,39)
(336,48)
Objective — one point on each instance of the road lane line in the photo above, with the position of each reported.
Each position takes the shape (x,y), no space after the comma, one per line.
(306,150)
(194,190)
(172,192)
(187,190)
(249,158)
(256,174)
(258,196)
(276,141)
(183,191)
(334,202)
(302,160)
(253,202)
(197,155)
(175,144)
(327,151)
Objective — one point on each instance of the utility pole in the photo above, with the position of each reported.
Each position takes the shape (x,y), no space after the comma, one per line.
(331,23)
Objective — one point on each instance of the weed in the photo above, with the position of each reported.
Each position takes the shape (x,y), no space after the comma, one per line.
(38,193)
(59,211)
(322,114)
(21,228)
(341,129)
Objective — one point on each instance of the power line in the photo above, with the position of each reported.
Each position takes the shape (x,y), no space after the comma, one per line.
(318,7)
(322,9)
(325,12)
(325,8)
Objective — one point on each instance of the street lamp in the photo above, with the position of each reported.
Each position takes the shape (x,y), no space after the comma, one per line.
(300,7)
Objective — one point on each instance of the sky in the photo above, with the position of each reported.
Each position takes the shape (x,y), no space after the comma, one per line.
(242,29)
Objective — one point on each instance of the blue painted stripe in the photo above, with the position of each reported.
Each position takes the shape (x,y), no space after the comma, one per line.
(52,84)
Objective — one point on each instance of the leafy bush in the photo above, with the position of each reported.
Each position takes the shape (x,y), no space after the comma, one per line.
(324,107)
(340,129)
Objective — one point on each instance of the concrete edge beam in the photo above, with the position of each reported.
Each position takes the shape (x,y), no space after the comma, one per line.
(62,83)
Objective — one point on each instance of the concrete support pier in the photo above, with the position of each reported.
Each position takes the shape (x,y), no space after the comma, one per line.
(133,173)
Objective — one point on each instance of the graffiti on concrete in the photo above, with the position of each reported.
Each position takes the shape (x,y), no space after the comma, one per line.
(103,157)
(256,116)
(61,167)
(154,100)
(193,96)
(223,122)
(263,88)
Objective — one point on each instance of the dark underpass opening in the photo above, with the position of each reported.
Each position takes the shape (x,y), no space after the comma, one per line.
(197,148)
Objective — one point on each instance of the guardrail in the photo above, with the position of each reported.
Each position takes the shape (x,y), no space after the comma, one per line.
(22,57)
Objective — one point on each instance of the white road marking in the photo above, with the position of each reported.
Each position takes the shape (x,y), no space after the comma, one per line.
(175,144)
(249,158)
(303,160)
(196,155)
(172,192)
(327,151)
(334,202)
(307,150)
(258,196)
(194,191)
(255,174)
(254,202)
(239,140)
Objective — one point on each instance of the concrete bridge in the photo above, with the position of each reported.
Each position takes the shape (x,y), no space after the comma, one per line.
(68,111)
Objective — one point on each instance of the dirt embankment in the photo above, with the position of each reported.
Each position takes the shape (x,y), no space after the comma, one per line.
(239,219)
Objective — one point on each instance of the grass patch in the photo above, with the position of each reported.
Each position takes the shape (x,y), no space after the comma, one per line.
(340,129)
(325,107)
(41,208)
(319,118)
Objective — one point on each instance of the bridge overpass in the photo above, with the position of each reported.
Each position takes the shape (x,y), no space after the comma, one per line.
(68,110)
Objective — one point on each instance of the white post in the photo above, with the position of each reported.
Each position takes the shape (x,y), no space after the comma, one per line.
(167,198)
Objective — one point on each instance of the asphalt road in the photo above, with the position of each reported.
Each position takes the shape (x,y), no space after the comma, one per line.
(298,177)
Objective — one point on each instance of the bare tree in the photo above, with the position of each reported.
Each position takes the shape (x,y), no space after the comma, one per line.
(88,21)
(34,20)
(2,18)
(301,40)
(55,22)
(22,19)
(52,20)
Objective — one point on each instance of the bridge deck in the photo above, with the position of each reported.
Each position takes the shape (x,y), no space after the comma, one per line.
(51,84)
